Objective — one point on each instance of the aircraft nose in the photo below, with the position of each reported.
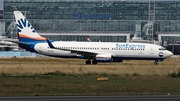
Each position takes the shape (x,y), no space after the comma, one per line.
(169,54)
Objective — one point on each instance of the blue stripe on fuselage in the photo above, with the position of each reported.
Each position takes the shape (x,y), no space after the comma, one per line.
(31,42)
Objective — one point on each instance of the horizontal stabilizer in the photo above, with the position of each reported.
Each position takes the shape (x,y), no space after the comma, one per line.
(17,42)
(13,41)
(24,44)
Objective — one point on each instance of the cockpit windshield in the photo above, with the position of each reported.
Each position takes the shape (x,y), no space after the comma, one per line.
(162,48)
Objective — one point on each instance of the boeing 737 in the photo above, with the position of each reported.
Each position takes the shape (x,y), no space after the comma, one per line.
(93,52)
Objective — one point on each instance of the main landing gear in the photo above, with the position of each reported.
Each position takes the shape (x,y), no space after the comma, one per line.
(88,61)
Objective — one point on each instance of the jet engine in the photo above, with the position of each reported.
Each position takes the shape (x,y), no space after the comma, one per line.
(104,58)
(107,58)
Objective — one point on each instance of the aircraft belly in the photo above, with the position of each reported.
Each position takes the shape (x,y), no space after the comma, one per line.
(60,53)
(134,55)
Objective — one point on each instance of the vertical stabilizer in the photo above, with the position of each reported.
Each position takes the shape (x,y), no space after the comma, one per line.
(26,32)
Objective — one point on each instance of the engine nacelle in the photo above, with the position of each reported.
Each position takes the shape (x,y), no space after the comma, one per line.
(104,58)
(117,60)
(107,58)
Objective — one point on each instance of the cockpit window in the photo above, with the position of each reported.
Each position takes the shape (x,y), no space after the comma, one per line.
(162,48)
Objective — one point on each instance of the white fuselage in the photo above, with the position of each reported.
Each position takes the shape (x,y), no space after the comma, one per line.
(30,40)
(120,50)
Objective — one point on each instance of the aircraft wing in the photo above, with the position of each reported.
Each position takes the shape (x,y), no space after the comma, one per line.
(84,53)
(87,54)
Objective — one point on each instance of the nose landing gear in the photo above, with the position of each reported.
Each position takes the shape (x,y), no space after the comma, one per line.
(156,61)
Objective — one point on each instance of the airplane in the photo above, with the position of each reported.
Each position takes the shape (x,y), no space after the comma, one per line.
(92,52)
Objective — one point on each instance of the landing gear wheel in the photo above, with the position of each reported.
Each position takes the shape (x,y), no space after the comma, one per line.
(88,62)
(94,62)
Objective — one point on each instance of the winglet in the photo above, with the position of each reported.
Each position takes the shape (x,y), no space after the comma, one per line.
(49,43)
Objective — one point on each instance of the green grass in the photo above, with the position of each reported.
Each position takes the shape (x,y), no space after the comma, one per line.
(30,66)
(39,85)
(38,77)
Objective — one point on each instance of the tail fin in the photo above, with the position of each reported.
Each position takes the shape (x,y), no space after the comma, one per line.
(26,32)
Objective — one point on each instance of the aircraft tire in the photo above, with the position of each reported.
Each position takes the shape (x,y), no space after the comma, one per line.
(88,62)
(94,62)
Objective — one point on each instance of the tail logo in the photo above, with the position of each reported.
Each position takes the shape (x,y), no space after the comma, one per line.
(24,24)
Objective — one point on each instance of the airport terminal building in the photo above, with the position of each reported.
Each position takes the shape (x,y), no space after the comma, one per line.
(100,20)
